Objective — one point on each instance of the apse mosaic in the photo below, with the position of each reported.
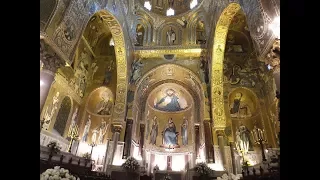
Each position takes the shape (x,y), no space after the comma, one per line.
(242,104)
(169,117)
(165,130)
(169,99)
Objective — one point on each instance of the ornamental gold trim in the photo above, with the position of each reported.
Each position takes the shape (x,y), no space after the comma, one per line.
(121,60)
(220,35)
(158,53)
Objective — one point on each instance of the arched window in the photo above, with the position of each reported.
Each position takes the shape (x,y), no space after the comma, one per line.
(62,116)
(111,43)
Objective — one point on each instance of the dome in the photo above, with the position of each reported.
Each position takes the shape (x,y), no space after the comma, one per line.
(160,7)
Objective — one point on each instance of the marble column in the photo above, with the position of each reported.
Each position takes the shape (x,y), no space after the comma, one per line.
(154,37)
(208,142)
(152,164)
(197,141)
(169,163)
(141,143)
(221,148)
(276,75)
(50,64)
(233,159)
(187,162)
(116,129)
(106,157)
(127,137)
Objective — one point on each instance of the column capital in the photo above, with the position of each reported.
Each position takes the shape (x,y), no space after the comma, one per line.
(51,61)
(218,129)
(129,121)
(142,125)
(116,128)
(220,133)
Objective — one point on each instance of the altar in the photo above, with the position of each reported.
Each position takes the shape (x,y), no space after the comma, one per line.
(168,161)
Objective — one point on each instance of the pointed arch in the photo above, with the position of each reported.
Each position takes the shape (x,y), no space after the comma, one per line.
(144,20)
(220,35)
(121,63)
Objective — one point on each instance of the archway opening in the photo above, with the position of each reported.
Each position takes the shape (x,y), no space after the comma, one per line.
(237,77)
(62,116)
(217,92)
(101,60)
(165,92)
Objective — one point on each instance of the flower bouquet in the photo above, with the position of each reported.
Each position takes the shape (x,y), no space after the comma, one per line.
(203,170)
(54,147)
(131,164)
(86,156)
(229,177)
(57,173)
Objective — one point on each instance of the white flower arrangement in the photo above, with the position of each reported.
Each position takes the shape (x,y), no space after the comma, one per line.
(86,156)
(131,164)
(57,173)
(229,177)
(202,169)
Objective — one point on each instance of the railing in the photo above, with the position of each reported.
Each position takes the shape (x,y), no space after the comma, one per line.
(77,166)
(253,175)
(270,172)
(47,158)
(46,137)
(193,175)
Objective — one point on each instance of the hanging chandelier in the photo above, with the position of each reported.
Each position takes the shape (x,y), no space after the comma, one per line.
(275,27)
(147,5)
(193,4)
(170,12)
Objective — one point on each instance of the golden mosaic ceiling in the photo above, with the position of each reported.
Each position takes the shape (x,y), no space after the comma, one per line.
(239,22)
(96,30)
(238,38)
(160,6)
